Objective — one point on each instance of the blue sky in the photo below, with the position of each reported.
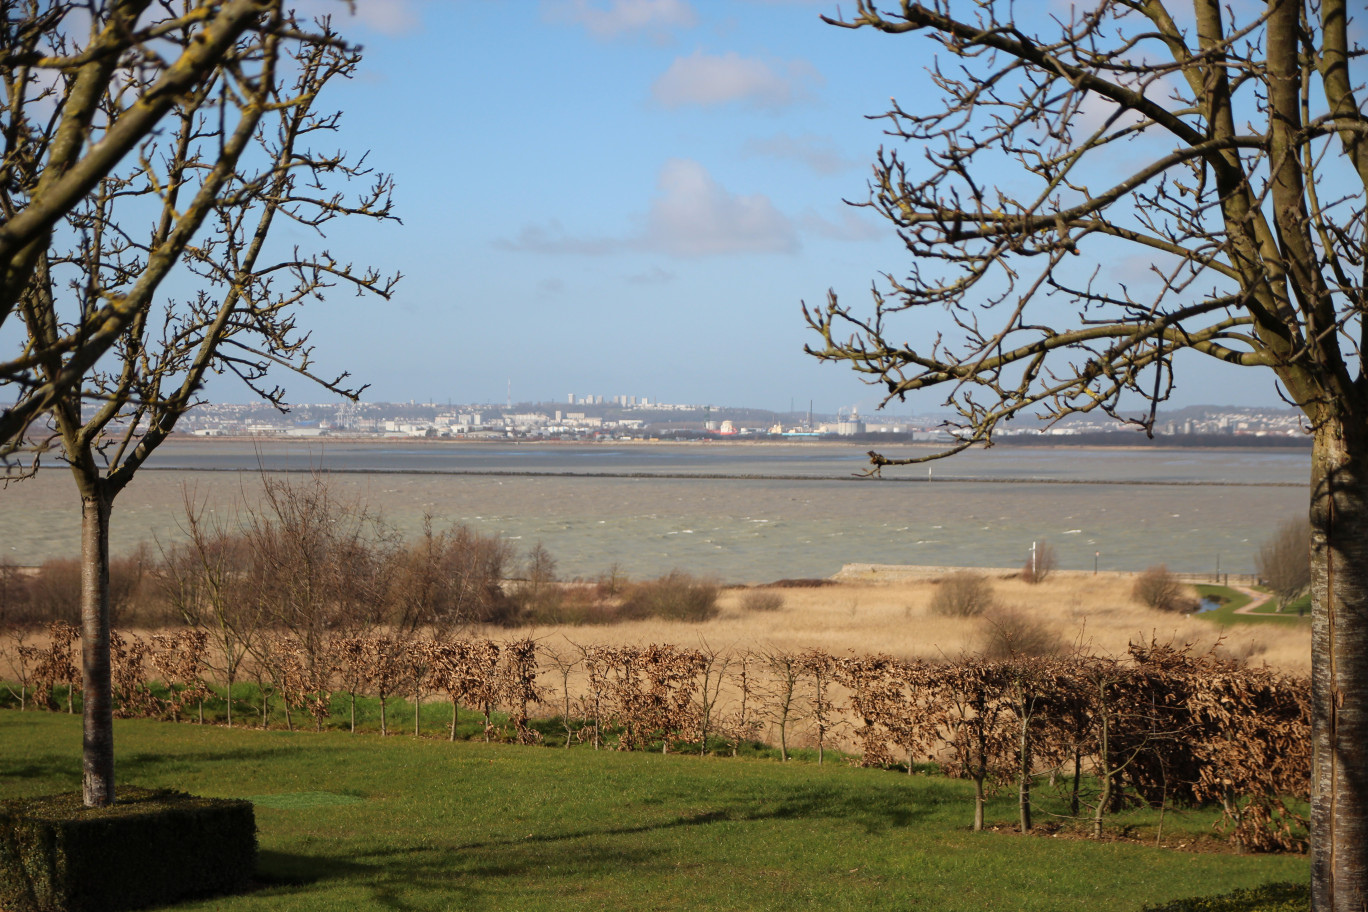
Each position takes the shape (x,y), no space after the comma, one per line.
(623,197)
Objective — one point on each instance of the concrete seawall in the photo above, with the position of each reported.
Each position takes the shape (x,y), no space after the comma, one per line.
(879,573)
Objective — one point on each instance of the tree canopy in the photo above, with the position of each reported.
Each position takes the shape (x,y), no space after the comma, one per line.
(1103,188)
(1187,179)
(86,86)
(159,268)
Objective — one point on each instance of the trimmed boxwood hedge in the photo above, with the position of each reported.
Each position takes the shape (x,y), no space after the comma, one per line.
(150,848)
(1271,897)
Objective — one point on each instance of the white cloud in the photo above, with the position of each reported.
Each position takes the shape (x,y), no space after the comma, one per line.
(706,79)
(389,17)
(655,18)
(816,152)
(392,17)
(691,216)
(553,239)
(696,216)
(848,226)
(653,276)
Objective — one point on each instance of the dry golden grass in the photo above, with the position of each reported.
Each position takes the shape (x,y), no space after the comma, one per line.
(889,611)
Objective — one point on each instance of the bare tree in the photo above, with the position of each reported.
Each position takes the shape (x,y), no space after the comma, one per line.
(1040,562)
(450,580)
(447,580)
(1240,192)
(319,564)
(205,579)
(538,596)
(1284,561)
(564,660)
(86,84)
(17,622)
(712,672)
(782,704)
(821,667)
(241,175)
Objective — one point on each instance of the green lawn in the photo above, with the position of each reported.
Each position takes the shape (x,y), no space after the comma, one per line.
(1231,600)
(356,822)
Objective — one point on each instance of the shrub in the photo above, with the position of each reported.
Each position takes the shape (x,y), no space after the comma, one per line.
(676,596)
(151,848)
(759,600)
(962,594)
(574,604)
(1039,564)
(611,582)
(1158,588)
(54,590)
(1010,633)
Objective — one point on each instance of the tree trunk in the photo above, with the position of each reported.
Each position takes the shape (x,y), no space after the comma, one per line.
(1339,664)
(1077,778)
(1103,762)
(97,746)
(1024,790)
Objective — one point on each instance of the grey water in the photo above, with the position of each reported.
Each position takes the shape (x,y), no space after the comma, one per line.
(738,512)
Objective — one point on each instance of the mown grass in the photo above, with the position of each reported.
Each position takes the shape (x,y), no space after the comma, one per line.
(362,822)
(1232,600)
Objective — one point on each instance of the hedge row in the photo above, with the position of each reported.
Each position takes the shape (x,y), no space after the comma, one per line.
(1162,725)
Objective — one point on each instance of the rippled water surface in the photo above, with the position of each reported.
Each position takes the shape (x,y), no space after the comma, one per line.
(739,512)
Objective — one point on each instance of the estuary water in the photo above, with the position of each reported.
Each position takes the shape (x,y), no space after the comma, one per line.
(739,512)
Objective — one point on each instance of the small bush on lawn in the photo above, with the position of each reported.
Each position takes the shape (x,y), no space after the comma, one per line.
(150,848)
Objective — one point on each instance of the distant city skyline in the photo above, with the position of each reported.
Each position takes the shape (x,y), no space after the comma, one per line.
(623,195)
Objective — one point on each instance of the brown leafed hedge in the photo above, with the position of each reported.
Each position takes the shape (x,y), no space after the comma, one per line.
(1162,725)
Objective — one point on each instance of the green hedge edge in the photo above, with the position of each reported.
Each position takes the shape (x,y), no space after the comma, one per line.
(1271,897)
(150,848)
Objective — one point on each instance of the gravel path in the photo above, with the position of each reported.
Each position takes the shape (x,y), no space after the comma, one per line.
(1257,599)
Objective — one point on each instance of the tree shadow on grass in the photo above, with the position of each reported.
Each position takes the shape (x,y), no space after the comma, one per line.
(462,872)
(286,869)
(398,878)
(149,761)
(59,767)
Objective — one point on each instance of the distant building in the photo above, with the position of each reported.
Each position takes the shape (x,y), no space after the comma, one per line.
(850,427)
